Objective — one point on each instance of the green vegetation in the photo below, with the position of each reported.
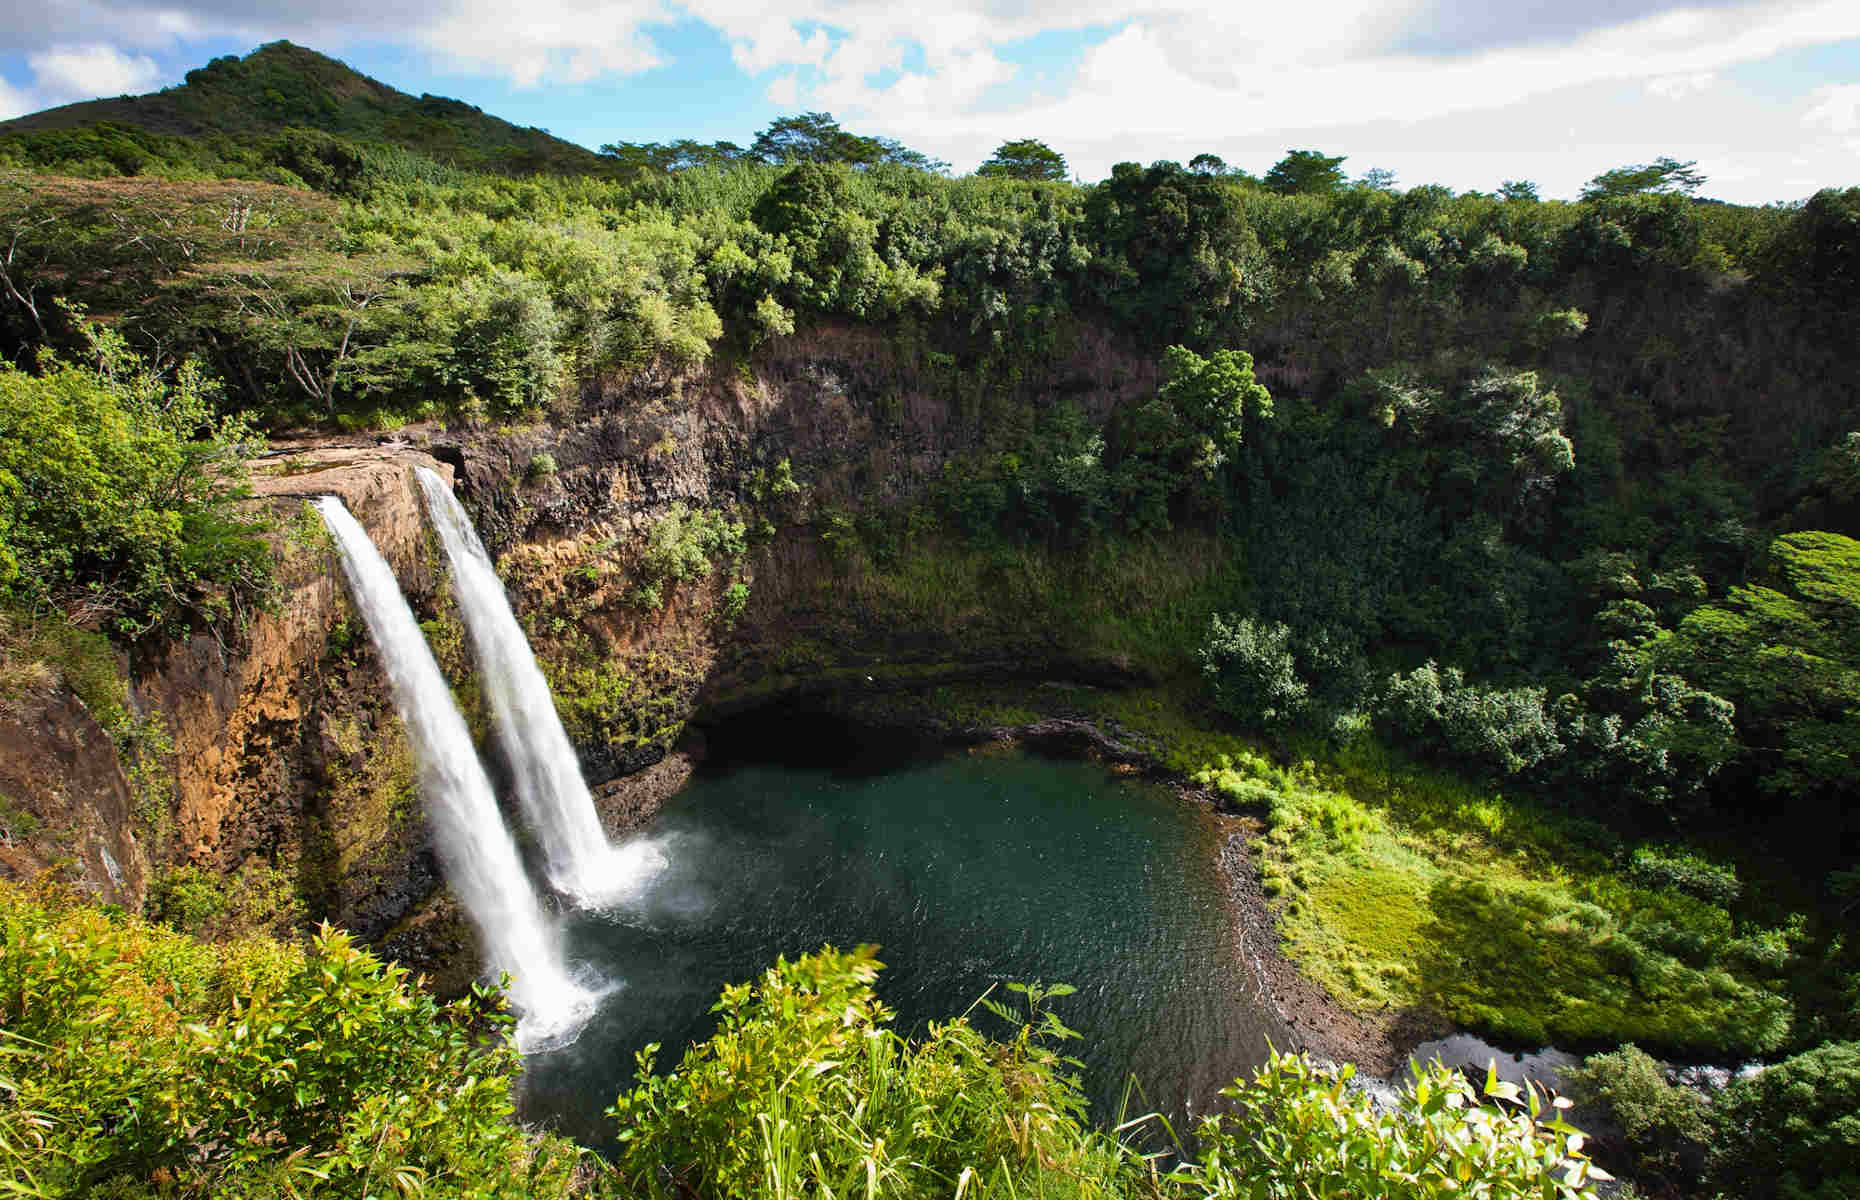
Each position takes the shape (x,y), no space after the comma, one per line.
(321,1072)
(1792,1132)
(1665,1127)
(113,506)
(680,548)
(209,125)
(317,1070)
(1405,887)
(1789,1132)
(1301,1132)
(1496,553)
(1028,158)
(804,1091)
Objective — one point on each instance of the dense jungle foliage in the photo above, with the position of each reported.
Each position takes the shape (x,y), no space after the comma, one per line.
(1497,552)
(263,1070)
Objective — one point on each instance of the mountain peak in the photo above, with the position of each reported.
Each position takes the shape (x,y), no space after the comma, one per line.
(281,85)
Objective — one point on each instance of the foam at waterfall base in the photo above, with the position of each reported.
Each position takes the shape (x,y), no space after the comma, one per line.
(550,1016)
(617,875)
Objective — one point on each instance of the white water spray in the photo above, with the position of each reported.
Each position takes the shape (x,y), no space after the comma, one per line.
(480,860)
(554,797)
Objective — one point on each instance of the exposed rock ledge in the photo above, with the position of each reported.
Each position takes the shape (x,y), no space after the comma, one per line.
(250,713)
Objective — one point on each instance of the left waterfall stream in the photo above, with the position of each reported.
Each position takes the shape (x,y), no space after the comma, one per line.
(475,848)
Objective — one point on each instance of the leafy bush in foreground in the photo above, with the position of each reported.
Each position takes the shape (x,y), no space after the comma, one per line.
(1301,1131)
(805,1092)
(141,1062)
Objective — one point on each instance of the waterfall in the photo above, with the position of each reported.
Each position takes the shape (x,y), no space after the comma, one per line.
(480,860)
(549,785)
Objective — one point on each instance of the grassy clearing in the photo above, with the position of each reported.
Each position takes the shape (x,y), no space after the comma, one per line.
(1402,886)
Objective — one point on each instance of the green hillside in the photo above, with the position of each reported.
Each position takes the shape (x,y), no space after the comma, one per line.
(234,101)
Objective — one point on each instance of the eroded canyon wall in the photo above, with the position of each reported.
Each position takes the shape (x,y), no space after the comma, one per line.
(658,533)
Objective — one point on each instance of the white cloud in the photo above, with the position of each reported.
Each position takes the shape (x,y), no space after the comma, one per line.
(13,102)
(785,92)
(1678,87)
(1836,108)
(546,41)
(66,73)
(536,42)
(1409,58)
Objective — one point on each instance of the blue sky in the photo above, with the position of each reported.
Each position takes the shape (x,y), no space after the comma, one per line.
(1766,96)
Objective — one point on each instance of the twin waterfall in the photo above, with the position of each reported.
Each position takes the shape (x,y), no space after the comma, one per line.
(475,847)
(549,786)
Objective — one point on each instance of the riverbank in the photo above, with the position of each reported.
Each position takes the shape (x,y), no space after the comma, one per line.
(1378,1042)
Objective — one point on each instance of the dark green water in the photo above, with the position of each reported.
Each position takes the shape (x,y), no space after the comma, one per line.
(967,872)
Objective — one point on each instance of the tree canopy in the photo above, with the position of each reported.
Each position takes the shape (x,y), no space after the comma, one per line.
(1662,176)
(673,156)
(816,137)
(1025,159)
(1306,172)
(112,507)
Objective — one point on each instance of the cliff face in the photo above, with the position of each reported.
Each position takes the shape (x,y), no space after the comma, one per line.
(68,802)
(807,432)
(642,532)
(276,762)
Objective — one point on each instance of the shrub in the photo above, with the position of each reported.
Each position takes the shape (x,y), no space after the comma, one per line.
(116,494)
(1792,1132)
(735,602)
(1669,867)
(1301,1131)
(805,1091)
(1250,666)
(187,897)
(680,548)
(1665,1127)
(1495,729)
(256,1069)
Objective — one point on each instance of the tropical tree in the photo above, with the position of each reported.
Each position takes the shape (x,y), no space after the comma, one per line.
(816,137)
(336,325)
(116,491)
(1172,449)
(673,156)
(1786,650)
(1306,172)
(1025,159)
(1665,176)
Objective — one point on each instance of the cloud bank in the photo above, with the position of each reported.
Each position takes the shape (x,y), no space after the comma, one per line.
(1189,73)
